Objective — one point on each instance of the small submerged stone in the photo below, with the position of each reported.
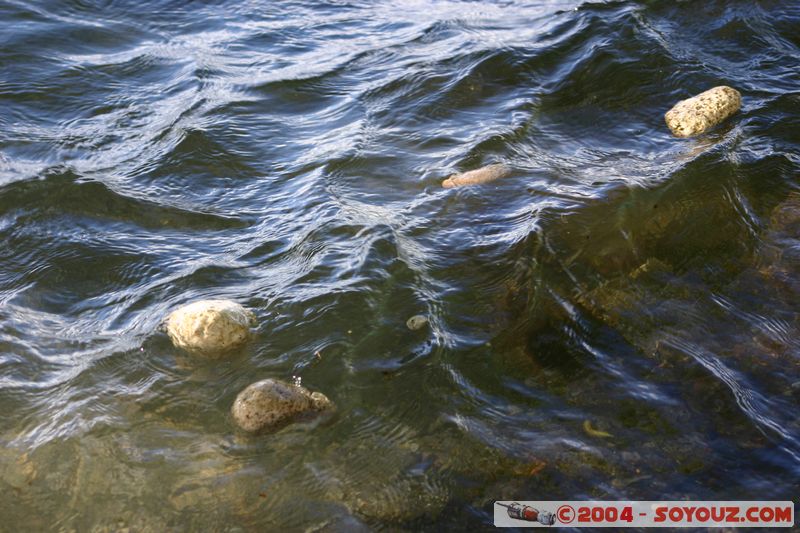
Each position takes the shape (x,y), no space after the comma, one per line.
(695,115)
(786,215)
(210,327)
(477,176)
(269,404)
(587,427)
(417,322)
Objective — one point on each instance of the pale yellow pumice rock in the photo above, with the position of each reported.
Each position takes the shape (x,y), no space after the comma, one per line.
(269,404)
(477,176)
(210,327)
(699,113)
(417,322)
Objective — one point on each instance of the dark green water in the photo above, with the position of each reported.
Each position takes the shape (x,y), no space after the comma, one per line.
(289,155)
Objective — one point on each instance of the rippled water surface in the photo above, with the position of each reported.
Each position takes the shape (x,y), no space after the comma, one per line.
(616,319)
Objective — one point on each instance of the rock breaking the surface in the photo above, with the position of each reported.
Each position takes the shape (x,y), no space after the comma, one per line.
(210,327)
(270,404)
(478,176)
(700,113)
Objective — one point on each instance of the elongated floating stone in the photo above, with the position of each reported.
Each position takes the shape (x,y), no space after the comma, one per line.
(700,113)
(478,176)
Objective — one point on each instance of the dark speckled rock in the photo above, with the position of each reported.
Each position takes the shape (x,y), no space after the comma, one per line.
(269,404)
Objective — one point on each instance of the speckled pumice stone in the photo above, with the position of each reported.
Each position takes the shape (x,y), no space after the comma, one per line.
(211,328)
(478,176)
(700,113)
(270,404)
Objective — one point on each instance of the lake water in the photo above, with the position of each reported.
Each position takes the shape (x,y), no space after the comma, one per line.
(617,319)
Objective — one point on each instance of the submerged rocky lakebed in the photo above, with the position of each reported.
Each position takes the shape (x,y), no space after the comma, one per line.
(616,317)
